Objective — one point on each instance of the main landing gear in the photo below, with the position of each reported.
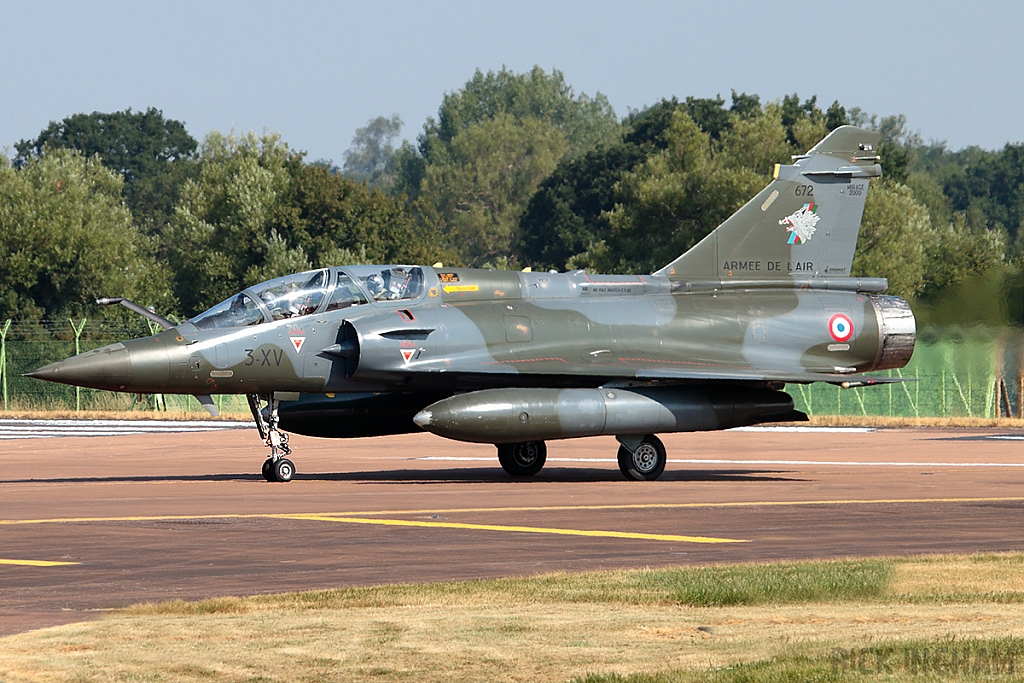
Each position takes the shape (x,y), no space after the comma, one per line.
(641,458)
(277,466)
(523,459)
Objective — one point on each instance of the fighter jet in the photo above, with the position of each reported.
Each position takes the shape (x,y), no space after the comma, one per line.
(519,358)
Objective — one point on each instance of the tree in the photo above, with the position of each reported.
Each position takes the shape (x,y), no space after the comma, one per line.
(152,154)
(569,211)
(492,170)
(671,201)
(836,116)
(584,122)
(896,236)
(631,205)
(257,212)
(66,238)
(340,222)
(370,158)
(225,225)
(477,165)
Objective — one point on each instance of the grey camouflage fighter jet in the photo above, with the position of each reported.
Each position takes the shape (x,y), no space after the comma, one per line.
(517,358)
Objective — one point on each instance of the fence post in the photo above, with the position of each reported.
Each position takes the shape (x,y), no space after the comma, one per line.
(806,396)
(914,402)
(78,350)
(889,387)
(158,399)
(3,359)
(943,392)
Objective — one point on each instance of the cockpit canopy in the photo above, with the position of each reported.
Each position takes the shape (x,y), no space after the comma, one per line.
(301,294)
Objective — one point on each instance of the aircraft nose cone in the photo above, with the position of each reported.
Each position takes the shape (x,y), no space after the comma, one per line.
(108,368)
(422,418)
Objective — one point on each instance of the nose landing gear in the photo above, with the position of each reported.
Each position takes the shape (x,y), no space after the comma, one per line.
(277,466)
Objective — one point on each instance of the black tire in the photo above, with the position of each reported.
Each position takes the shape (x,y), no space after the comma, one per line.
(523,459)
(284,470)
(646,463)
(268,470)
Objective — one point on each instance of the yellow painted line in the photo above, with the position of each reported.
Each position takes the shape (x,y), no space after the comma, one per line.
(37,563)
(519,529)
(539,508)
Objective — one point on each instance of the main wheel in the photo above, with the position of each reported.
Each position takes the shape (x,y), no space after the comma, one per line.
(647,462)
(523,459)
(268,470)
(284,470)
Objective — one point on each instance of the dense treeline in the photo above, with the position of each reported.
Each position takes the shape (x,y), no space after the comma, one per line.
(516,170)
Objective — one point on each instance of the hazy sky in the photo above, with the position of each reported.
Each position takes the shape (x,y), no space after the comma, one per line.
(316,71)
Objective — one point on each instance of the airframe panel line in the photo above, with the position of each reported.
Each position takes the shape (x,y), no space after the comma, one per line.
(37,563)
(539,508)
(519,529)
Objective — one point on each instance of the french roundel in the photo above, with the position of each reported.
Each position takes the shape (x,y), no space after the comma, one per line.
(840,327)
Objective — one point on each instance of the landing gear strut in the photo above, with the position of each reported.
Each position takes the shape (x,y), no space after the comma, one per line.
(277,466)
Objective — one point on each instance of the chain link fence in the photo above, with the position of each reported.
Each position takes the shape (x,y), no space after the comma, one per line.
(27,346)
(969,372)
(973,373)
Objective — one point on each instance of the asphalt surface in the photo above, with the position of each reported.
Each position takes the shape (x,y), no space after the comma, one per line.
(90,523)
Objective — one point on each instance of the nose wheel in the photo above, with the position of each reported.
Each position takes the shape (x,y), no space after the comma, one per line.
(277,466)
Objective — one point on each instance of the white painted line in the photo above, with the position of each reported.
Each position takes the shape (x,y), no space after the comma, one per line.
(92,428)
(721,461)
(220,424)
(50,429)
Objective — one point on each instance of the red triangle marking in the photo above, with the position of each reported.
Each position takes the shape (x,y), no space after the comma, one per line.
(407,354)
(297,342)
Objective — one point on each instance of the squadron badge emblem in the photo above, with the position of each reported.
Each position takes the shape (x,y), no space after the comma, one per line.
(800,223)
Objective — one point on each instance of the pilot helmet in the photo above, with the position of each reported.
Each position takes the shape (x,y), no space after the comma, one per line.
(375,283)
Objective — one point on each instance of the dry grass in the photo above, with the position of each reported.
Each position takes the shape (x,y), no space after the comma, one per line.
(432,642)
(958,578)
(19,414)
(873,421)
(503,631)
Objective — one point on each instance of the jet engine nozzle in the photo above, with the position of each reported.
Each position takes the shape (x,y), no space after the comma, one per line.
(897,332)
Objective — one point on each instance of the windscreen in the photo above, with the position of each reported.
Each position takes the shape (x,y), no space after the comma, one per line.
(390,283)
(293,296)
(345,294)
(286,297)
(238,311)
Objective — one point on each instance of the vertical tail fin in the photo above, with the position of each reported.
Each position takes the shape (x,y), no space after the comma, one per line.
(804,224)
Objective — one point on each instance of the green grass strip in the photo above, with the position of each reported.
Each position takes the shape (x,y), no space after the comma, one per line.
(745,584)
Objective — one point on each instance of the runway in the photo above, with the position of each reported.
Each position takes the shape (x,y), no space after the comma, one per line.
(92,523)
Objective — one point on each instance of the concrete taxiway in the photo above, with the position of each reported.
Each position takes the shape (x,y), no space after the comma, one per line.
(90,523)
